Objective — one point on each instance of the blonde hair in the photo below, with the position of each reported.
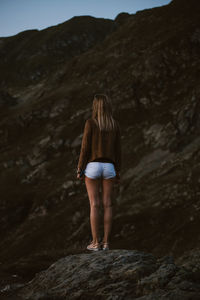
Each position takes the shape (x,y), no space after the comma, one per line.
(102,112)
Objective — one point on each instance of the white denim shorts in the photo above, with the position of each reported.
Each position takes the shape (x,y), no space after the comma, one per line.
(96,169)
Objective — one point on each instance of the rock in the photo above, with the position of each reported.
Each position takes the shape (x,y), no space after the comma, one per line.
(153,135)
(6,100)
(148,164)
(114,274)
(58,108)
(145,102)
(35,160)
(122,18)
(38,172)
(77,141)
(44,141)
(195,38)
(66,185)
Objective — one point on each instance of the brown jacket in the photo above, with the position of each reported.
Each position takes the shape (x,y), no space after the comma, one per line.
(97,144)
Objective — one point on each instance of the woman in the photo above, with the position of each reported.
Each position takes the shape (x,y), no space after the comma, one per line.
(100,162)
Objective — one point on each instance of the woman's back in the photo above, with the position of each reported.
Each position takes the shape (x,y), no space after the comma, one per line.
(100,145)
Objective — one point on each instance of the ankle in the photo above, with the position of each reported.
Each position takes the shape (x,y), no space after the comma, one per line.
(105,241)
(95,242)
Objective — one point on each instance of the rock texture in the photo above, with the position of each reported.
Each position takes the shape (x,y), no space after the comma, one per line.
(148,63)
(117,274)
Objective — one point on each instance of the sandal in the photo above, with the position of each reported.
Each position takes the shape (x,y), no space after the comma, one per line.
(94,247)
(105,246)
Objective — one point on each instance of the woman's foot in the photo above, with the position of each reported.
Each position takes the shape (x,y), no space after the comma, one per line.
(105,245)
(94,246)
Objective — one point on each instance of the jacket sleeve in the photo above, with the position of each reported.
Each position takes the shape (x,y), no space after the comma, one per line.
(118,150)
(85,146)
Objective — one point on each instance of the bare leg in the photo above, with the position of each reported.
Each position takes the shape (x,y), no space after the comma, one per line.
(107,185)
(92,186)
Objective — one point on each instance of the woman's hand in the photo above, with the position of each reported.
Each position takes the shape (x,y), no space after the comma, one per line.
(79,176)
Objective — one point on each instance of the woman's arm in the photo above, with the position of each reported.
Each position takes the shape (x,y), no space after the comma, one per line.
(85,146)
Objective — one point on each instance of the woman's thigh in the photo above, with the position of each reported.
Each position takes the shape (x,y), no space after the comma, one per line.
(107,191)
(93,190)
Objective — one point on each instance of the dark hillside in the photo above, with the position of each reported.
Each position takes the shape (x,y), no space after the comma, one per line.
(149,64)
(31,55)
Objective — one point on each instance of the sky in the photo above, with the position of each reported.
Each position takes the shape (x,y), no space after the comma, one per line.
(21,15)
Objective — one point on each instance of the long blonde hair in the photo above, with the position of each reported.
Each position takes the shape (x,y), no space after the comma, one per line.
(102,112)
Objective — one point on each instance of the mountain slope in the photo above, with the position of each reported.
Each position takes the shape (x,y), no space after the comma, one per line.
(149,66)
(30,55)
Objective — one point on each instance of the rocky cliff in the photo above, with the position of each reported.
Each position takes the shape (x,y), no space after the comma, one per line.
(121,274)
(148,63)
